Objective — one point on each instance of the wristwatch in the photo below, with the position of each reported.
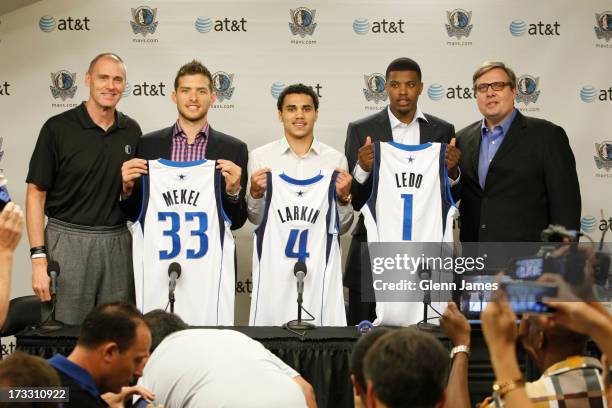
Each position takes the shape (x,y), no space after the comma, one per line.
(234,197)
(500,389)
(459,349)
(346,200)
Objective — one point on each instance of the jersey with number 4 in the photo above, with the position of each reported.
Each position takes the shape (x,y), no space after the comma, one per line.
(299,223)
(410,201)
(182,220)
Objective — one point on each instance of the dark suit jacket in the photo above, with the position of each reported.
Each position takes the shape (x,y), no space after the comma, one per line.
(378,127)
(531,183)
(158,144)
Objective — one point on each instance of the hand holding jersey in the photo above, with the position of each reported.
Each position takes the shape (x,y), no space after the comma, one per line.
(299,223)
(409,183)
(131,171)
(182,220)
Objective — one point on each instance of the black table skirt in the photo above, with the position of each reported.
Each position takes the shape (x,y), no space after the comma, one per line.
(321,356)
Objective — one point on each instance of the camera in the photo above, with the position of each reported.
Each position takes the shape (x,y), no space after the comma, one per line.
(5,198)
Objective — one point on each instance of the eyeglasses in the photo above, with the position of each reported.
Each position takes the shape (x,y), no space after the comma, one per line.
(496,86)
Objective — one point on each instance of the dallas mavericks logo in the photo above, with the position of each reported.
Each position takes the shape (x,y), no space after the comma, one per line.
(588,223)
(302,21)
(276,89)
(46,24)
(144,20)
(459,23)
(375,87)
(527,87)
(603,160)
(603,30)
(63,84)
(222,82)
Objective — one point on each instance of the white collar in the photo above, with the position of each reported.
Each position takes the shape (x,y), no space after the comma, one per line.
(315,147)
(395,122)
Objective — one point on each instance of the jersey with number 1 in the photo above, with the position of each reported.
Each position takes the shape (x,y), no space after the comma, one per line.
(182,220)
(410,201)
(299,223)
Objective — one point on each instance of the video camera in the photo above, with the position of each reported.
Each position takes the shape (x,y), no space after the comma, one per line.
(569,264)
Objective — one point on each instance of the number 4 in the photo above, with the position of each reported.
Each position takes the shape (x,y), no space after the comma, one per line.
(302,253)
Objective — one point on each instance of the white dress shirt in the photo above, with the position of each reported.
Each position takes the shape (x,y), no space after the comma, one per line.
(404,133)
(278,155)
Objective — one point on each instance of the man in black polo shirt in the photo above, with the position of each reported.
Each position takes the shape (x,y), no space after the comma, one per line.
(74,179)
(111,352)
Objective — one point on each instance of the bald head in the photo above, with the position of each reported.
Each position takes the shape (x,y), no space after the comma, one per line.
(105,55)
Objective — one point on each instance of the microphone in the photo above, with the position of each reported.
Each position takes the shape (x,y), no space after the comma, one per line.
(300,271)
(174,272)
(51,324)
(53,270)
(425,275)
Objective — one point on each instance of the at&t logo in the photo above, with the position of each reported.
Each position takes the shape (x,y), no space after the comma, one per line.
(518,28)
(127,90)
(49,23)
(145,89)
(590,224)
(206,24)
(589,93)
(437,92)
(4,89)
(277,88)
(362,26)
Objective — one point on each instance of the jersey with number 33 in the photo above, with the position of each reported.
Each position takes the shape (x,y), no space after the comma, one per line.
(182,220)
(299,223)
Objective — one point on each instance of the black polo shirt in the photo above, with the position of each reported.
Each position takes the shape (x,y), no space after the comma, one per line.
(79,165)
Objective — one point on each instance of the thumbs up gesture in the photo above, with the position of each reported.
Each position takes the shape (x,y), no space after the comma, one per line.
(452,159)
(366,155)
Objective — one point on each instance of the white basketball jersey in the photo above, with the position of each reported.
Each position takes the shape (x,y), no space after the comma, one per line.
(299,223)
(410,201)
(182,220)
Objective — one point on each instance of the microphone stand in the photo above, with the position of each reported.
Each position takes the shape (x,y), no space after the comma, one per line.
(52,324)
(171,300)
(424,324)
(298,324)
